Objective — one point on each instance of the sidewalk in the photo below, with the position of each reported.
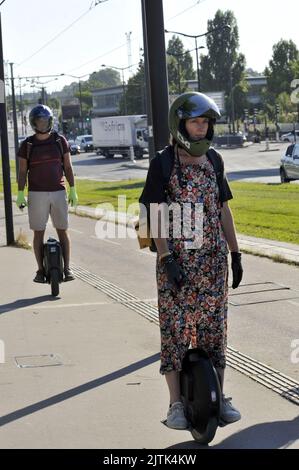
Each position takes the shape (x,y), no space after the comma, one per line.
(107,392)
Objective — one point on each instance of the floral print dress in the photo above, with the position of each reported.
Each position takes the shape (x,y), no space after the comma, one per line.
(197,313)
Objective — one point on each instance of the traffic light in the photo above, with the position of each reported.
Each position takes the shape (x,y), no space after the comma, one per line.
(277,108)
(246,115)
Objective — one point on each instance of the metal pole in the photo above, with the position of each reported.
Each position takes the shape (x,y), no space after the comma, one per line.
(124,93)
(179,77)
(15,122)
(232,100)
(80,99)
(157,70)
(43,96)
(21,106)
(148,102)
(197,64)
(5,154)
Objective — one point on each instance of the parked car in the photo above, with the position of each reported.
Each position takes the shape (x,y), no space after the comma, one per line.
(289,168)
(85,142)
(289,137)
(74,148)
(21,139)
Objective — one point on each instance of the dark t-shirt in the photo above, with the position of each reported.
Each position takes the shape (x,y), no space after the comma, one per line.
(45,169)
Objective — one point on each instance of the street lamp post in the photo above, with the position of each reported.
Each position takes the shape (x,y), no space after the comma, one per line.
(232,101)
(21,106)
(123,81)
(195,37)
(5,153)
(80,95)
(15,121)
(179,67)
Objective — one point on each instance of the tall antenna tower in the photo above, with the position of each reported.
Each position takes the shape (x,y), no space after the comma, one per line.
(129,48)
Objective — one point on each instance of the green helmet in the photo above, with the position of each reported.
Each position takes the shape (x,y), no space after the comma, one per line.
(186,106)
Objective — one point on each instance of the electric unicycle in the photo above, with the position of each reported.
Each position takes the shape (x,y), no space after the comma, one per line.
(53,264)
(201,395)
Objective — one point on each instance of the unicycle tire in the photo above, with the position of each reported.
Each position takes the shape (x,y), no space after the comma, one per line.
(209,433)
(54,282)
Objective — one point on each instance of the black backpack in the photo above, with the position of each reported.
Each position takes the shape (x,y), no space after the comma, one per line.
(167,156)
(30,145)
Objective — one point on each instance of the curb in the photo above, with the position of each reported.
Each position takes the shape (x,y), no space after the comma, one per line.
(282,253)
(285,253)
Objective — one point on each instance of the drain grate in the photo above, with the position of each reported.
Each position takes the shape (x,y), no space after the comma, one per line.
(271,378)
(260,293)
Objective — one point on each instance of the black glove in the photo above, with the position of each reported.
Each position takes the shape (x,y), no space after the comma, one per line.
(236,268)
(174,273)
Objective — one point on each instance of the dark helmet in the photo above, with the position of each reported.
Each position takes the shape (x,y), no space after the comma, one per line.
(189,105)
(44,112)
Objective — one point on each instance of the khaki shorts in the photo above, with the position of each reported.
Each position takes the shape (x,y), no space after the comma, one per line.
(41,204)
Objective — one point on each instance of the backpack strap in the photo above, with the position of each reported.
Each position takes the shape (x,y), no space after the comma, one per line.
(29,142)
(58,142)
(218,166)
(167,157)
(167,162)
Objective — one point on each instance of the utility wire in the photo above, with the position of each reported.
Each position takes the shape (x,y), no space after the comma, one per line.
(93,5)
(98,57)
(186,9)
(2,2)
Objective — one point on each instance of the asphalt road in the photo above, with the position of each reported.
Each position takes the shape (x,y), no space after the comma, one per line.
(251,163)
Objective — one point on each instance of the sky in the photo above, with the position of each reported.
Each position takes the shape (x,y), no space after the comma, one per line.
(100,35)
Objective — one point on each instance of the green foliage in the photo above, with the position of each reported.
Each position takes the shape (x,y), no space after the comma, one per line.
(135,95)
(282,66)
(179,66)
(223,61)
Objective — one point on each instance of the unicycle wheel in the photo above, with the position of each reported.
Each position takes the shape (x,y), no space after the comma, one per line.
(54,282)
(209,433)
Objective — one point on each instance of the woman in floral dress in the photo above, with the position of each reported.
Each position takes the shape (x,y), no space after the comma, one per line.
(192,269)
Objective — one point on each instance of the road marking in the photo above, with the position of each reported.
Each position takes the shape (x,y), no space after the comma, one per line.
(84,304)
(76,231)
(105,240)
(145,253)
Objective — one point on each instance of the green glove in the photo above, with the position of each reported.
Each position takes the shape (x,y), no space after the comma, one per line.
(73,197)
(21,201)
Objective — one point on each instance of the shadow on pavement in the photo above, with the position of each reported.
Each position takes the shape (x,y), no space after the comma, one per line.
(271,435)
(21,303)
(28,410)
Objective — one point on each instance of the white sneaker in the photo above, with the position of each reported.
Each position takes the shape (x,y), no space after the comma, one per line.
(229,414)
(176,417)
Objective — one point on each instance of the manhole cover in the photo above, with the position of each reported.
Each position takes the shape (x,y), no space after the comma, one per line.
(44,360)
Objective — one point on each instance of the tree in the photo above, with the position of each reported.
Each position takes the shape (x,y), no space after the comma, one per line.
(134,101)
(107,77)
(280,71)
(179,66)
(224,66)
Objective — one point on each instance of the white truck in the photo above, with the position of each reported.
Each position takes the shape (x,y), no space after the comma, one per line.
(119,135)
